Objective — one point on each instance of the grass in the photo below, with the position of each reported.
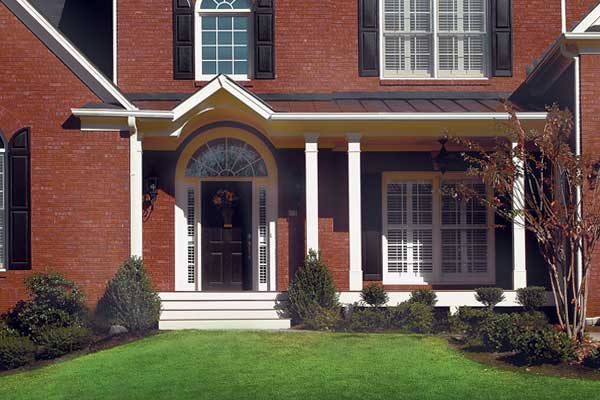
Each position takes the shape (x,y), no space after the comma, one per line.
(287,365)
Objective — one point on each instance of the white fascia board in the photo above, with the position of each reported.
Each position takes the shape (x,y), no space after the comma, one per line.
(424,116)
(222,82)
(77,55)
(109,112)
(582,35)
(588,21)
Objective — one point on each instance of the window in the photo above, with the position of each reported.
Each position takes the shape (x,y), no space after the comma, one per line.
(434,38)
(431,236)
(226,157)
(224,29)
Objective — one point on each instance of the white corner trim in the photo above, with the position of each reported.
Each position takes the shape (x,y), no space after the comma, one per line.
(135,190)
(312,191)
(89,67)
(588,21)
(115,40)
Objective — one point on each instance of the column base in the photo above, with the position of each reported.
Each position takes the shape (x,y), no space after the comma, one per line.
(519,279)
(356,280)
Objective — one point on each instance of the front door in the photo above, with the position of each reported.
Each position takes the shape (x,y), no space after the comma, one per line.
(226,236)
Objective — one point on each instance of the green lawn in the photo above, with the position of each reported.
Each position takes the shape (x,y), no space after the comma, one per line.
(286,365)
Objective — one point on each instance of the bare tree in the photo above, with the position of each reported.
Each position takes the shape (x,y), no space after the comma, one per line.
(560,202)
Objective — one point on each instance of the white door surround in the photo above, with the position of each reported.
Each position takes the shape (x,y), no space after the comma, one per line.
(188,257)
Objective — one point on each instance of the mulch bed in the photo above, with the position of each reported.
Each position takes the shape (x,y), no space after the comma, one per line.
(98,343)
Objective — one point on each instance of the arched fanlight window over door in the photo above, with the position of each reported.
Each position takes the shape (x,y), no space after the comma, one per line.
(226,157)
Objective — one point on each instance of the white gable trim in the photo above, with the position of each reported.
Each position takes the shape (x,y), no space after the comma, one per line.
(588,21)
(77,55)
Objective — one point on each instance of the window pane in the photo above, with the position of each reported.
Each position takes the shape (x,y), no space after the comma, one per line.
(225,67)
(209,23)
(240,23)
(240,53)
(241,37)
(225,53)
(240,67)
(225,23)
(209,38)
(209,53)
(225,4)
(224,37)
(209,67)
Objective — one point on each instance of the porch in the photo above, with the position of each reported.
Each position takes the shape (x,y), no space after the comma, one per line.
(359,184)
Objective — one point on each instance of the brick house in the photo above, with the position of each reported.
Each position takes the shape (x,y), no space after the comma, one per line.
(221,139)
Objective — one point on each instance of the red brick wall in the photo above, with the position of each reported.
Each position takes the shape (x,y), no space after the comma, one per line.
(316,45)
(80,181)
(590,126)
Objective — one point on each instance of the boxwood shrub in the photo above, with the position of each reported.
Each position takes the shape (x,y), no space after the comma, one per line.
(374,295)
(412,317)
(424,296)
(311,289)
(15,351)
(129,300)
(54,342)
(545,345)
(368,320)
(489,296)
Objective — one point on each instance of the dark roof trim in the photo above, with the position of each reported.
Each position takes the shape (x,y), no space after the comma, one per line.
(62,53)
(338,96)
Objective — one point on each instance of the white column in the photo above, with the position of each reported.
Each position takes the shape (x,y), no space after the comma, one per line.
(355,210)
(136,192)
(519,251)
(312,192)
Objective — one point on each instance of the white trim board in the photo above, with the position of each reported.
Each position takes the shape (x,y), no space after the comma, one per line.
(98,77)
(588,21)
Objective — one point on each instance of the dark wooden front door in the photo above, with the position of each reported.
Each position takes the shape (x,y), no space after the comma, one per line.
(226,251)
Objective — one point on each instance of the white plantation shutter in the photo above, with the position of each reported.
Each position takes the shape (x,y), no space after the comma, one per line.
(410,229)
(262,237)
(412,38)
(407,38)
(191,235)
(462,37)
(464,233)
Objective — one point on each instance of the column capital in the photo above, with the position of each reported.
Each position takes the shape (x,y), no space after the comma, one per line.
(353,137)
(311,137)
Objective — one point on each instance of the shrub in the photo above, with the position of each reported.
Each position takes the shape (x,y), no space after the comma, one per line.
(368,320)
(312,288)
(57,341)
(129,299)
(55,301)
(325,319)
(374,295)
(592,360)
(545,345)
(531,298)
(15,351)
(489,296)
(412,317)
(424,296)
(500,332)
(469,321)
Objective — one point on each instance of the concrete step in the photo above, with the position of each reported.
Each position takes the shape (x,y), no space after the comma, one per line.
(218,305)
(168,315)
(247,324)
(219,296)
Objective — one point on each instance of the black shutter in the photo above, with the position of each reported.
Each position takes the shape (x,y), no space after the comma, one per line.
(501,23)
(264,44)
(368,37)
(19,202)
(183,39)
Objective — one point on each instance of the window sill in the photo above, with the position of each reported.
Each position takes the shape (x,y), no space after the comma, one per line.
(435,82)
(202,82)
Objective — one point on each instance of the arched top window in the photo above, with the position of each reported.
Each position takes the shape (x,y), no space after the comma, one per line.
(226,157)
(225,4)
(225,32)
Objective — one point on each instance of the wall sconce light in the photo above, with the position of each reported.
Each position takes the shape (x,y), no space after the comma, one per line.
(152,190)
(443,158)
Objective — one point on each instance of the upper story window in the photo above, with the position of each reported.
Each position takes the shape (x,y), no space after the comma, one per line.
(223,37)
(434,39)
